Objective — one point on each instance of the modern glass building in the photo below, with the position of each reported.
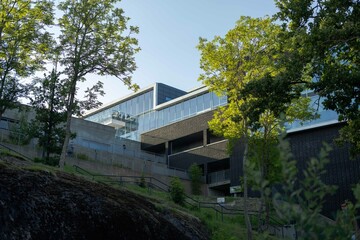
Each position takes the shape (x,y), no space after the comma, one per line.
(158,105)
(154,107)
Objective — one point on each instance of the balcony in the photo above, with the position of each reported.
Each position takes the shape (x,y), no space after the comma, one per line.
(219,178)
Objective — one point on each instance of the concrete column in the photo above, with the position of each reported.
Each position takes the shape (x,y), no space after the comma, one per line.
(205,137)
(167,152)
(205,171)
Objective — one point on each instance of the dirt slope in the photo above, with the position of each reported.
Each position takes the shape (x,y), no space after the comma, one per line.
(41,205)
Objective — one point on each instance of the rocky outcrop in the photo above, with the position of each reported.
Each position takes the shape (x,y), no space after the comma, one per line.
(45,205)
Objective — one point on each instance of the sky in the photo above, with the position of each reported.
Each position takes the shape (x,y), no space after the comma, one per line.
(169,34)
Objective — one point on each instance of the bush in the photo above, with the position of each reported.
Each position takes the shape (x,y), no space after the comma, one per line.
(195,177)
(177,193)
(142,181)
(51,161)
(82,156)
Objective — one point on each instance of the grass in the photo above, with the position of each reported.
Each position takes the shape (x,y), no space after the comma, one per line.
(228,227)
(6,152)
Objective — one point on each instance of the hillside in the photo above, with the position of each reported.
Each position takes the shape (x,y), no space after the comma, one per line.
(55,205)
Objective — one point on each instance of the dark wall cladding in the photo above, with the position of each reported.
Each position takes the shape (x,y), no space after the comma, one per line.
(236,163)
(340,171)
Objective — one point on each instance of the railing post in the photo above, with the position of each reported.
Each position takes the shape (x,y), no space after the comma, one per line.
(222,213)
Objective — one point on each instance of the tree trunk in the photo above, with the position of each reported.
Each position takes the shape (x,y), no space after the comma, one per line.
(68,123)
(246,213)
(66,140)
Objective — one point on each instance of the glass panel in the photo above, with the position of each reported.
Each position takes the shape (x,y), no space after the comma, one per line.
(146,122)
(159,119)
(215,100)
(200,103)
(141,103)
(206,100)
(179,110)
(192,106)
(166,116)
(152,120)
(186,108)
(172,114)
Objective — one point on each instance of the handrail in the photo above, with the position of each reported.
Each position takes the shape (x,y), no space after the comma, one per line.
(12,150)
(217,207)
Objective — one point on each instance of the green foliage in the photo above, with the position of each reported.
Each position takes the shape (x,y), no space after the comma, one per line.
(142,181)
(322,42)
(177,192)
(49,103)
(245,66)
(19,132)
(24,45)
(95,39)
(264,164)
(195,173)
(51,160)
(6,152)
(351,134)
(301,201)
(82,156)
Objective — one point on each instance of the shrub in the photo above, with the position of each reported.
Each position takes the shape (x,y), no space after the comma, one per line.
(51,161)
(195,177)
(142,181)
(177,193)
(82,156)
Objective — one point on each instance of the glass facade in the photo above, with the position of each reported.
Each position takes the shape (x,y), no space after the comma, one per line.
(126,111)
(166,93)
(134,116)
(173,113)
(324,115)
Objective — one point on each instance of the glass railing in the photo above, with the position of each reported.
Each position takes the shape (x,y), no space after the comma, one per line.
(220,176)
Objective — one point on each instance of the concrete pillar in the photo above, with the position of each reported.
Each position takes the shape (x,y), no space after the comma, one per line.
(205,171)
(167,152)
(206,139)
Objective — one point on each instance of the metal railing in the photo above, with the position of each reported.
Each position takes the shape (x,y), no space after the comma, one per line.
(151,182)
(220,176)
(16,152)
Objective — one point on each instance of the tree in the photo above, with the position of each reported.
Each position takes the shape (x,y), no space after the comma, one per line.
(94,39)
(48,100)
(24,44)
(324,40)
(229,64)
(195,178)
(301,200)
(242,66)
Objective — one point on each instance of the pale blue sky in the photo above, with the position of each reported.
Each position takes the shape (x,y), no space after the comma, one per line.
(169,33)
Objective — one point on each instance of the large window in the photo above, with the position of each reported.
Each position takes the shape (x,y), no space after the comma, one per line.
(140,108)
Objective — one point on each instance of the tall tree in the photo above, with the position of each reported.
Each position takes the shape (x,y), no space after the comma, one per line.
(242,66)
(324,37)
(23,45)
(229,64)
(95,39)
(49,101)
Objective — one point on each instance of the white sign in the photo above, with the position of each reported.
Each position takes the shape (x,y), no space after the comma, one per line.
(220,200)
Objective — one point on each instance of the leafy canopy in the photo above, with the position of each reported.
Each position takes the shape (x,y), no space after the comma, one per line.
(24,43)
(323,36)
